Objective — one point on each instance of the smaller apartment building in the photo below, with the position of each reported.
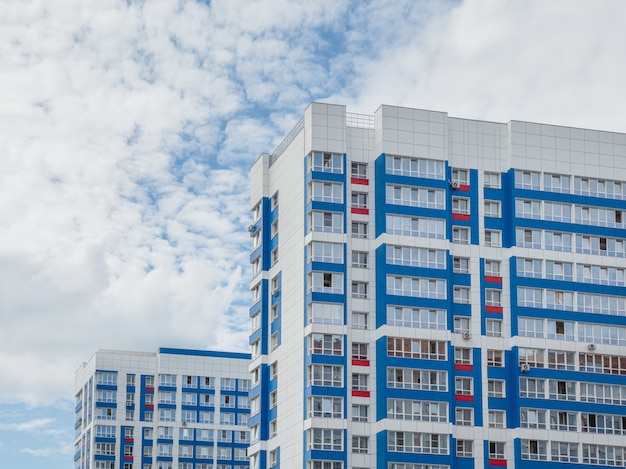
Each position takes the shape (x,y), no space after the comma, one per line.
(173,409)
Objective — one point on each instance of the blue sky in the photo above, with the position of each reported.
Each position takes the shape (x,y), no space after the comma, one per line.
(127,129)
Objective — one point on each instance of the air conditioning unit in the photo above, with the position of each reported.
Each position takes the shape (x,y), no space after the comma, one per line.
(467,335)
(251,229)
(455,185)
(275,292)
(591,347)
(525,367)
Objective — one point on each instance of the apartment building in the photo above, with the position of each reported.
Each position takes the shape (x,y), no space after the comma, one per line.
(433,292)
(173,409)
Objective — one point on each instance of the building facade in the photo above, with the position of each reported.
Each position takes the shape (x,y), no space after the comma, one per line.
(431,292)
(174,409)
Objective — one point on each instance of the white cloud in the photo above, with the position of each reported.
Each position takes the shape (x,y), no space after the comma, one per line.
(554,62)
(123,185)
(127,128)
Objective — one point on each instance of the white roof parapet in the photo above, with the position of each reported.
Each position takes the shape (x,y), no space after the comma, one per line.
(361,121)
(287,140)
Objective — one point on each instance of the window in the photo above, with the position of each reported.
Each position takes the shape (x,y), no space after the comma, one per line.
(360,444)
(105,414)
(274,312)
(359,200)
(460,235)
(410,442)
(414,167)
(326,282)
(532,388)
(424,197)
(326,162)
(273,458)
(273,399)
(492,268)
(360,382)
(326,192)
(460,205)
(416,257)
(460,176)
(189,398)
(326,344)
(274,256)
(493,327)
(359,229)
(185,433)
(324,465)
(168,380)
(359,170)
(273,428)
(533,418)
(496,450)
(530,356)
(460,265)
(187,415)
(228,384)
(492,180)
(330,222)
(185,451)
(359,289)
(495,388)
(274,343)
(461,295)
(464,386)
(326,313)
(416,348)
(529,268)
(326,375)
(496,419)
(527,180)
(427,411)
(325,252)
(528,238)
(556,183)
(461,324)
(564,421)
(106,449)
(274,230)
(492,208)
(274,201)
(464,448)
(359,412)
(535,450)
(493,238)
(416,317)
(359,259)
(464,416)
(425,380)
(493,297)
(325,439)
(359,351)
(462,356)
(227,400)
(416,287)
(359,320)
(207,382)
(325,406)
(526,208)
(415,226)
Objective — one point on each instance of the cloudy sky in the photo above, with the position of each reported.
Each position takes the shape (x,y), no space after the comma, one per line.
(127,129)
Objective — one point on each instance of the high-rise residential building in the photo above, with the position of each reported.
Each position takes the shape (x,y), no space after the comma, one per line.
(432,292)
(174,409)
